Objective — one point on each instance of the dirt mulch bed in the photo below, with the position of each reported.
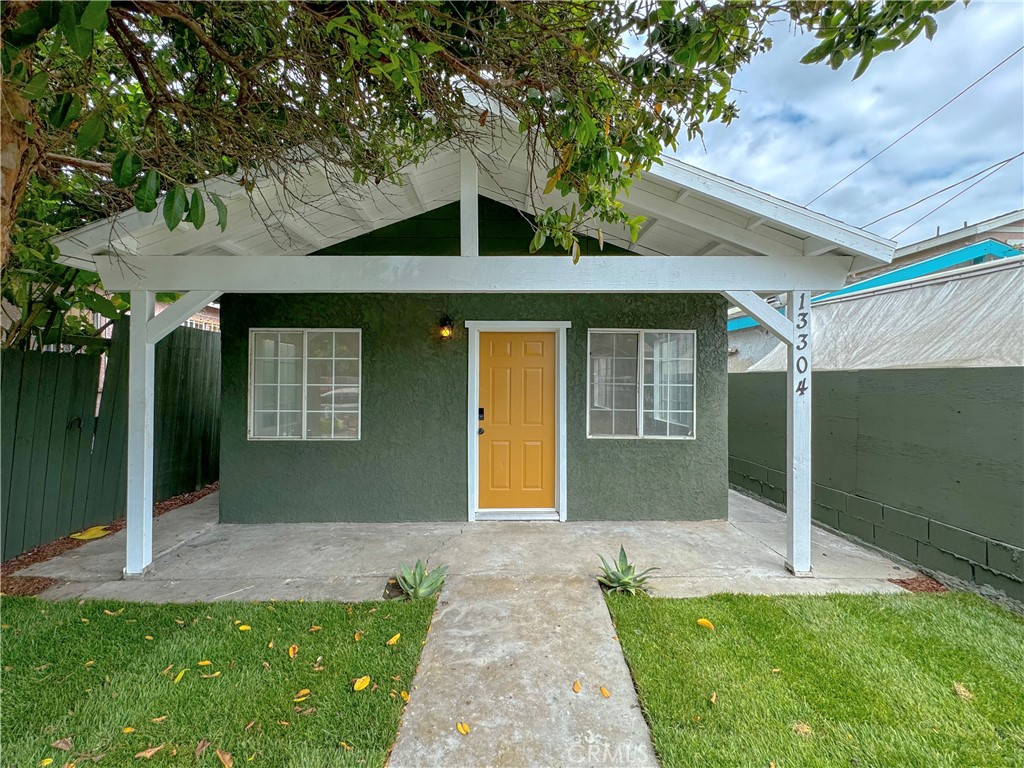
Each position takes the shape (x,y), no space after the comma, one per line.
(25,585)
(920,584)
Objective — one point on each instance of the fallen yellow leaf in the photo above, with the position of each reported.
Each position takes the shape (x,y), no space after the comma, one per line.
(237,622)
(85,620)
(293,651)
(361,683)
(605,692)
(96,532)
(204,663)
(244,628)
(168,669)
(159,719)
(148,637)
(314,628)
(127,729)
(225,758)
(462,728)
(705,623)
(714,698)
(405,696)
(345,746)
(963,691)
(45,761)
(394,639)
(304,692)
(776,670)
(358,635)
(148,753)
(576,687)
(89,663)
(112,613)
(211,675)
(250,758)
(300,699)
(177,678)
(270,644)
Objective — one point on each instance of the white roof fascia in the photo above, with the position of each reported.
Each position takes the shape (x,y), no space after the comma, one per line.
(849,238)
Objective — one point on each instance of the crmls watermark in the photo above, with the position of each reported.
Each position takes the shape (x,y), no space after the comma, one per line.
(594,750)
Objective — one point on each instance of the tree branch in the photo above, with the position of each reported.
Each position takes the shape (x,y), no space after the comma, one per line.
(93,166)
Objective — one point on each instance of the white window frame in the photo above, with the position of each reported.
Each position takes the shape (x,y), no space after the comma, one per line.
(639,332)
(302,434)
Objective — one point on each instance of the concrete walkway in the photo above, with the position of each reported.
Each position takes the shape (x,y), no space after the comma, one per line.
(502,655)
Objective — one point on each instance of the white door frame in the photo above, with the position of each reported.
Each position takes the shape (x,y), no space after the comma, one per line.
(475,327)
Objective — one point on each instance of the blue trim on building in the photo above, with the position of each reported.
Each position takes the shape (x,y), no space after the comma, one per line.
(972,253)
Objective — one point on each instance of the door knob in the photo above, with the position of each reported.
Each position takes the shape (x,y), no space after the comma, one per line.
(480,431)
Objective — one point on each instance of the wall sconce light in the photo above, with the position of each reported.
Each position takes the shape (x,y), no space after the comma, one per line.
(446,328)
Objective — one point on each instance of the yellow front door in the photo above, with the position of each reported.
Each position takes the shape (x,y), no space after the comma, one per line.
(517,403)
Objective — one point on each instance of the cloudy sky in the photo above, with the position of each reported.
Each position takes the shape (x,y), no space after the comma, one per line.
(803,127)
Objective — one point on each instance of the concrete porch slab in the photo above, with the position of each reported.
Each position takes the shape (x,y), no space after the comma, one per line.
(202,560)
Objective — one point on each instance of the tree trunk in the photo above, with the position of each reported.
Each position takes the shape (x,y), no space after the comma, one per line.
(19,154)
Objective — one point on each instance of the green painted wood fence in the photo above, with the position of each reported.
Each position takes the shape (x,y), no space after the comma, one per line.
(63,461)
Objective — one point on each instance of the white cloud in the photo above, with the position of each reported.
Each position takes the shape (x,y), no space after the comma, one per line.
(803,127)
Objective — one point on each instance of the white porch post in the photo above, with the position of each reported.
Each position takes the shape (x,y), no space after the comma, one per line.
(141,357)
(798,436)
(469,217)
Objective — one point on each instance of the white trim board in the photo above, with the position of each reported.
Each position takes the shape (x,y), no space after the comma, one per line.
(559,328)
(459,274)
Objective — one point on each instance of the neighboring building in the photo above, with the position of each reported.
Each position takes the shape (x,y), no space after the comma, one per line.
(402,357)
(749,341)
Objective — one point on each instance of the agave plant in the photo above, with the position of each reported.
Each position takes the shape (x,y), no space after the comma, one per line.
(622,576)
(417,583)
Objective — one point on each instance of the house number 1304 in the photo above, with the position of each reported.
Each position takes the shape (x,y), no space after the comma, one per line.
(802,333)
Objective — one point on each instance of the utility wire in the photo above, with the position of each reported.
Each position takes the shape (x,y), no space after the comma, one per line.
(939,192)
(954,197)
(907,133)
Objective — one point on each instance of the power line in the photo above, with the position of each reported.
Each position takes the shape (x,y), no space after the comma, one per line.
(907,133)
(939,192)
(954,197)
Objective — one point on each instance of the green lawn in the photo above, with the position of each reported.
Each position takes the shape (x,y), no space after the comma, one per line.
(838,681)
(88,672)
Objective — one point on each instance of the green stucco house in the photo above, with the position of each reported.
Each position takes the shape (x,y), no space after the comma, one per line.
(400,356)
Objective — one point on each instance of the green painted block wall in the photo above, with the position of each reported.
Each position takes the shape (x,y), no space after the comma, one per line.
(925,463)
(411,463)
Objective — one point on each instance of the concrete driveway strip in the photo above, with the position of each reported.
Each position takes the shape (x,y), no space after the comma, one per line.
(502,656)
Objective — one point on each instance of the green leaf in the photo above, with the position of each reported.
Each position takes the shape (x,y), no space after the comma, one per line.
(125,168)
(931,26)
(538,241)
(64,110)
(197,210)
(222,211)
(98,303)
(146,194)
(174,206)
(94,16)
(30,24)
(78,37)
(35,88)
(91,132)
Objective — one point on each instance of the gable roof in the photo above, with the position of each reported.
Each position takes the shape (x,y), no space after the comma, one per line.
(690,212)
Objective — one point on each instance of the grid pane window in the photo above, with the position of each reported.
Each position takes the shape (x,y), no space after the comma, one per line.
(641,384)
(306,384)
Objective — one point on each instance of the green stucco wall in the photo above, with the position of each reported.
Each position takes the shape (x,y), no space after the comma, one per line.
(925,463)
(411,461)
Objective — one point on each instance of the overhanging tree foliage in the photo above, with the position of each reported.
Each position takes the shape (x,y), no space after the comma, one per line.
(108,105)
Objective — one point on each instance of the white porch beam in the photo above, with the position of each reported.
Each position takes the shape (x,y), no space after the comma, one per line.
(139,528)
(763,312)
(456,274)
(469,214)
(176,314)
(798,436)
